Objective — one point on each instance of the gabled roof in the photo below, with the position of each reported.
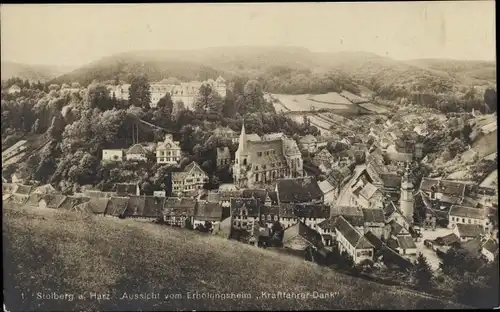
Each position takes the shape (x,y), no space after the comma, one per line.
(469,230)
(406,242)
(325,186)
(125,189)
(450,188)
(356,239)
(136,149)
(261,194)
(302,230)
(491,246)
(96,205)
(374,240)
(116,206)
(299,190)
(396,228)
(273,196)
(328,224)
(53,200)
(368,191)
(190,169)
(248,205)
(320,211)
(135,206)
(208,211)
(180,206)
(287,210)
(467,212)
(153,206)
(227,195)
(34,199)
(23,189)
(374,215)
(447,240)
(269,210)
(71,201)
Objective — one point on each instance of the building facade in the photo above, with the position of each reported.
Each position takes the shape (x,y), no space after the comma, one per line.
(189,181)
(168,151)
(261,161)
(112,155)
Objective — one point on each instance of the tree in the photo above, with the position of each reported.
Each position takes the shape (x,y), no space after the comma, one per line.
(423,273)
(253,97)
(208,100)
(36,126)
(166,104)
(139,92)
(490,98)
(98,97)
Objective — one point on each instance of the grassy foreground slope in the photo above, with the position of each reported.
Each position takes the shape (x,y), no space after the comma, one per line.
(50,251)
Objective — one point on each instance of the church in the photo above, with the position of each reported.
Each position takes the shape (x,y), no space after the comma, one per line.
(260,161)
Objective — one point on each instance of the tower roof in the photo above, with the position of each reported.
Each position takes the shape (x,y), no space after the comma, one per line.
(405,182)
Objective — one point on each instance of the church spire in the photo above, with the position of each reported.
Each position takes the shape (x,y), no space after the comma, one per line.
(243,138)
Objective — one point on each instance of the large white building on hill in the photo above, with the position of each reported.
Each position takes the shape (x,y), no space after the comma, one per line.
(185,92)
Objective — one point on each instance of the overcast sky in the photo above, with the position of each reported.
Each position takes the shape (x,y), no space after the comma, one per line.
(76,34)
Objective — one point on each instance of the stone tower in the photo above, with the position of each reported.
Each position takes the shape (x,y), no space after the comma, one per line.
(406,200)
(241,159)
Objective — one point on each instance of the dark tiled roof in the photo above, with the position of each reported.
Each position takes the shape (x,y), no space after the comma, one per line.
(391,180)
(335,177)
(449,188)
(153,206)
(227,195)
(328,223)
(53,200)
(45,189)
(427,183)
(208,211)
(392,243)
(491,246)
(406,242)
(176,206)
(261,194)
(351,234)
(302,230)
(299,190)
(374,215)
(23,189)
(135,206)
(374,240)
(467,212)
(312,211)
(71,202)
(447,240)
(396,228)
(472,246)
(469,230)
(274,197)
(117,206)
(251,205)
(34,199)
(270,210)
(97,205)
(125,189)
(287,210)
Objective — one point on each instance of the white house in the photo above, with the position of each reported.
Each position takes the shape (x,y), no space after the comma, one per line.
(137,152)
(467,215)
(159,194)
(404,245)
(490,249)
(190,180)
(14,89)
(112,155)
(352,241)
(168,151)
(329,191)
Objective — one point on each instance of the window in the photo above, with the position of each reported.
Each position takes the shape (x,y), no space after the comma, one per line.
(256,167)
(469,221)
(245,162)
(259,154)
(463,220)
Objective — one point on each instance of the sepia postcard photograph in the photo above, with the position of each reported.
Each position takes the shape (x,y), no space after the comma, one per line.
(249,156)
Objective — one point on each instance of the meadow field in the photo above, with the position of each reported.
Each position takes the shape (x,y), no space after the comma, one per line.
(50,251)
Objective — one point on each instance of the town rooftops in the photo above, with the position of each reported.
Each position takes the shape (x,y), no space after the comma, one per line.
(447,240)
(245,206)
(269,210)
(374,215)
(287,210)
(207,211)
(23,189)
(352,235)
(491,246)
(299,190)
(116,206)
(260,194)
(374,240)
(396,228)
(391,180)
(302,230)
(227,195)
(53,200)
(467,212)
(126,188)
(469,230)
(34,199)
(8,188)
(180,206)
(406,242)
(153,206)
(442,186)
(71,201)
(136,149)
(368,191)
(96,205)
(328,224)
(325,186)
(44,189)
(188,170)
(320,211)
